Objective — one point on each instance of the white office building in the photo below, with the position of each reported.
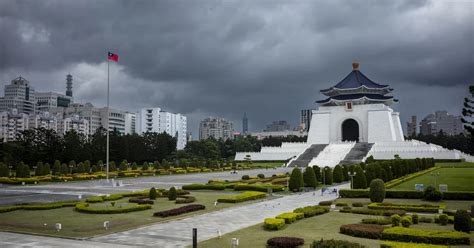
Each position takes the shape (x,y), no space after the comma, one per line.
(77,123)
(130,123)
(19,95)
(157,120)
(44,120)
(47,100)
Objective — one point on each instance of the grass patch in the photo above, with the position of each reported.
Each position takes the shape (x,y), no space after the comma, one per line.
(457,179)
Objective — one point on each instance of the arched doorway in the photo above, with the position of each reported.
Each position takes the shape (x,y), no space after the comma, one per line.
(350,130)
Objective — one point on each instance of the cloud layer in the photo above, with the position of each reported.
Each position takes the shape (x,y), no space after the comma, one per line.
(223,58)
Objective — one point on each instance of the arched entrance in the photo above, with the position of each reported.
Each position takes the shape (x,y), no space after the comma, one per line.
(350,130)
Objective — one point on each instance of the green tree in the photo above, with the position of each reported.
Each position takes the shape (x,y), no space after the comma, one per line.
(309,177)
(123,166)
(57,167)
(80,168)
(377,190)
(317,172)
(46,169)
(462,221)
(145,166)
(172,194)
(22,170)
(134,166)
(338,175)
(64,169)
(4,171)
(360,182)
(327,175)
(39,169)
(296,180)
(152,194)
(156,165)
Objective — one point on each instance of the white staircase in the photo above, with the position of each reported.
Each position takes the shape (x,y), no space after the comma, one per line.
(332,154)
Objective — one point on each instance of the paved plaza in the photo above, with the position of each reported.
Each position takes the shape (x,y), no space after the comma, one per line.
(73,190)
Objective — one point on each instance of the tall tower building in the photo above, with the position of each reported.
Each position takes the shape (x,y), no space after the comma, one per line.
(69,85)
(19,95)
(245,124)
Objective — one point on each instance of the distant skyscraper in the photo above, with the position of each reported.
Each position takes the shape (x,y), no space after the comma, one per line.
(277,126)
(218,128)
(306,115)
(245,124)
(411,127)
(432,124)
(18,95)
(69,85)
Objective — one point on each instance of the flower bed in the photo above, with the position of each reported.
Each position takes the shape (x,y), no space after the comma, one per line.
(369,231)
(179,211)
(426,236)
(427,208)
(273,224)
(246,196)
(84,208)
(285,242)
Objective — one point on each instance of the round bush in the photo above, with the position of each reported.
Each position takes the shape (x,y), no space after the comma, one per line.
(431,194)
(261,176)
(245,177)
(462,221)
(443,219)
(285,242)
(172,194)
(309,177)
(338,175)
(395,219)
(406,221)
(414,218)
(152,194)
(296,180)
(377,190)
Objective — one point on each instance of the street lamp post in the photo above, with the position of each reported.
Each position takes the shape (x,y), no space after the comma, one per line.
(352,178)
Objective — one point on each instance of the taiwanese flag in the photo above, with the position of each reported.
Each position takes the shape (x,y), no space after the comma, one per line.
(113,56)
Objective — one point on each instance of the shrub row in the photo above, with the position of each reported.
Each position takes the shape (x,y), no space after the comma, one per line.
(325,203)
(183,199)
(369,231)
(331,243)
(258,187)
(392,244)
(285,242)
(44,206)
(246,196)
(114,197)
(310,211)
(273,224)
(197,186)
(84,208)
(377,221)
(407,194)
(374,212)
(290,217)
(139,200)
(180,210)
(426,208)
(426,236)
(395,182)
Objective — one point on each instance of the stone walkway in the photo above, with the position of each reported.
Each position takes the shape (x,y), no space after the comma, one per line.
(178,233)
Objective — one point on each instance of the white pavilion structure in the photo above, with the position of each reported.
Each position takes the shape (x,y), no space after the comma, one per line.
(355,121)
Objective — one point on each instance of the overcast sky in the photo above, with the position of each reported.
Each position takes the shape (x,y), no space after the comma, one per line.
(223,58)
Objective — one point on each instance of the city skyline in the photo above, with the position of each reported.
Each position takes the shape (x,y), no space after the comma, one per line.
(256,64)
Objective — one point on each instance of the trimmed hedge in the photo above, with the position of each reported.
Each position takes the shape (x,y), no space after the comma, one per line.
(285,242)
(181,210)
(325,203)
(114,197)
(246,196)
(392,244)
(185,199)
(369,231)
(290,217)
(363,193)
(139,200)
(357,204)
(44,206)
(426,236)
(335,244)
(273,224)
(377,221)
(395,182)
(425,208)
(458,195)
(197,186)
(310,211)
(258,187)
(342,204)
(84,208)
(374,212)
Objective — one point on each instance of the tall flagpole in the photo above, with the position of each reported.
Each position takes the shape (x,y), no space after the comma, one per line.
(108,83)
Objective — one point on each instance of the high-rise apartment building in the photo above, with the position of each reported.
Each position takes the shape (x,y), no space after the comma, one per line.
(411,127)
(218,128)
(76,123)
(45,120)
(130,123)
(277,126)
(159,121)
(19,95)
(11,124)
(432,124)
(245,124)
(305,119)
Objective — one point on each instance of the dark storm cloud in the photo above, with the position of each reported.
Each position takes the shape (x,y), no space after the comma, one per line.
(223,58)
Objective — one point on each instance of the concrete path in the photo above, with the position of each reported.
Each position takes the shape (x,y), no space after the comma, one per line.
(178,233)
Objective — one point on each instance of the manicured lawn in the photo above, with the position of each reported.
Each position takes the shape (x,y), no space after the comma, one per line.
(450,205)
(75,224)
(457,179)
(262,164)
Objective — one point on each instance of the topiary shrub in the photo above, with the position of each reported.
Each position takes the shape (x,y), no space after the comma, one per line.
(431,194)
(261,176)
(378,221)
(406,221)
(357,204)
(377,190)
(335,244)
(395,219)
(285,242)
(362,230)
(443,219)
(310,211)
(309,177)
(325,203)
(152,194)
(337,174)
(172,194)
(181,210)
(296,180)
(414,218)
(245,177)
(273,224)
(462,221)
(426,220)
